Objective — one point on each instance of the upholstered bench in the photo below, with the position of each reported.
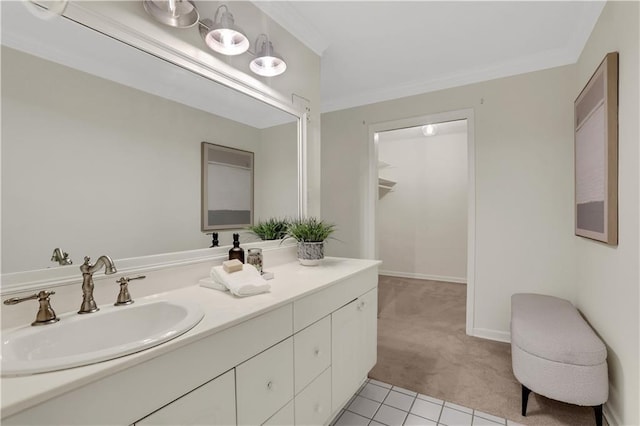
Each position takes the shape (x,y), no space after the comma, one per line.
(556,354)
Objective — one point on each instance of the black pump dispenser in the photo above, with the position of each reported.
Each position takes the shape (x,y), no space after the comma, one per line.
(236,252)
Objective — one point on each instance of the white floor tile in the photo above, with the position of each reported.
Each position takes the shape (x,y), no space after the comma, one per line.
(426,409)
(413,420)
(374,392)
(363,406)
(379,383)
(335,419)
(430,399)
(399,400)
(488,416)
(459,407)
(451,417)
(404,391)
(390,416)
(479,421)
(351,419)
(374,423)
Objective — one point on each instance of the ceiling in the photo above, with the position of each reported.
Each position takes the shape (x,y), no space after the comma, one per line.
(379,50)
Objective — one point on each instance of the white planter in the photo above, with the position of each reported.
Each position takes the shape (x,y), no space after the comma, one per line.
(310,254)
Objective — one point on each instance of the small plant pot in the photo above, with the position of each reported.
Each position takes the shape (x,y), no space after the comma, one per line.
(310,254)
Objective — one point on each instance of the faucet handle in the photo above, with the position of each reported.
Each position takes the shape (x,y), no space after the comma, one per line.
(124,298)
(46,314)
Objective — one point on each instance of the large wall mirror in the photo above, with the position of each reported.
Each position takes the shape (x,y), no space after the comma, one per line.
(101,146)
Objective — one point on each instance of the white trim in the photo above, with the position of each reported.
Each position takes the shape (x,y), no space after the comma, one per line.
(496,335)
(369,240)
(610,415)
(457,280)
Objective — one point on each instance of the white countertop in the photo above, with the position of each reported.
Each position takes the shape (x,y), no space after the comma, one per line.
(222,310)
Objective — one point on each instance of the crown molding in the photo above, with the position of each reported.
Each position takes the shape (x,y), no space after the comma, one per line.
(286,15)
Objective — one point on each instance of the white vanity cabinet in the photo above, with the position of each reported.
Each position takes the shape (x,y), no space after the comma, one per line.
(213,403)
(354,337)
(297,361)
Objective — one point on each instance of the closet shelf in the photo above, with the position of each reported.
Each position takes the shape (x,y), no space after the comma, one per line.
(385,183)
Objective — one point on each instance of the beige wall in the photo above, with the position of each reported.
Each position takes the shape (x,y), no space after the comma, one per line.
(607,277)
(524,183)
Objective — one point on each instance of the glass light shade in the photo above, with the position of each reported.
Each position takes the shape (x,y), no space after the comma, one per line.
(174,13)
(429,130)
(268,63)
(223,36)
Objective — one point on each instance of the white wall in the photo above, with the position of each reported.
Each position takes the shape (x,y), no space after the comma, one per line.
(607,277)
(422,222)
(524,183)
(95,167)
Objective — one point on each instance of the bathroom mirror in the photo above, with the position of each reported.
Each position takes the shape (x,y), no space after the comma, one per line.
(101,146)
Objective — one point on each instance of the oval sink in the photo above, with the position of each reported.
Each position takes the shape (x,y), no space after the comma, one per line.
(112,332)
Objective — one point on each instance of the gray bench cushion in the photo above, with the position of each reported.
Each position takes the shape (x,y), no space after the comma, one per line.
(551,328)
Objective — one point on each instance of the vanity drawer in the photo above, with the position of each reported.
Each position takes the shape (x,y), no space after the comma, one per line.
(311,308)
(211,404)
(313,404)
(285,416)
(264,383)
(312,352)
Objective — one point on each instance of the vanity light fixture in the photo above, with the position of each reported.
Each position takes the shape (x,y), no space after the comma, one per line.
(267,62)
(429,129)
(174,13)
(222,34)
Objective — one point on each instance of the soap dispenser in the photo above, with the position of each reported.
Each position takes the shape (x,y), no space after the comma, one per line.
(236,252)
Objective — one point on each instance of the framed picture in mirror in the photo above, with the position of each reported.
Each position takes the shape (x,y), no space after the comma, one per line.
(596,154)
(227,187)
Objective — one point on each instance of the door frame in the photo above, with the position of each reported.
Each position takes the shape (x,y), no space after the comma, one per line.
(370,240)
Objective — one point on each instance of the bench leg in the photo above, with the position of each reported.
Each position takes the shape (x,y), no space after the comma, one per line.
(525,398)
(598,411)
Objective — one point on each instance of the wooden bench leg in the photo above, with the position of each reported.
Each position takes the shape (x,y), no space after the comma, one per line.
(598,411)
(525,398)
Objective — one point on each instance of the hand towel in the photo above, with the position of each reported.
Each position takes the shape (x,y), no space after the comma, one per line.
(241,283)
(209,283)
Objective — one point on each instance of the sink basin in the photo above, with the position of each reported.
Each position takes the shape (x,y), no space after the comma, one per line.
(112,332)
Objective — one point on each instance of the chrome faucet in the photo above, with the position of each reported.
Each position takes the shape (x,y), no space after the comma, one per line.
(61,257)
(46,314)
(87,269)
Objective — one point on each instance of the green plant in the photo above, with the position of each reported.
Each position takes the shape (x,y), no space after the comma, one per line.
(270,229)
(310,230)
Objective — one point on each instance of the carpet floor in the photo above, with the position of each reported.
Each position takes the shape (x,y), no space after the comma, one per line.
(423,347)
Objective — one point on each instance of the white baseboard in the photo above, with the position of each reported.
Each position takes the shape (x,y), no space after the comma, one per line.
(610,415)
(498,336)
(459,280)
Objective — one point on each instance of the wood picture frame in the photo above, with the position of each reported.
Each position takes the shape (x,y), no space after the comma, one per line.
(227,187)
(596,154)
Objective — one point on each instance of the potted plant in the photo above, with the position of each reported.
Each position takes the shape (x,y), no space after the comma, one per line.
(310,233)
(270,229)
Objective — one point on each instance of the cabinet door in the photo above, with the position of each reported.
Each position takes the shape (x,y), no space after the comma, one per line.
(213,403)
(265,383)
(353,346)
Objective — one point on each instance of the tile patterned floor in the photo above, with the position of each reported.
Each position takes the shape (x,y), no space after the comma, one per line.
(382,404)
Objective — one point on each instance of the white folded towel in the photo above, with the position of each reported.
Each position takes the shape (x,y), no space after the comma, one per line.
(209,283)
(241,283)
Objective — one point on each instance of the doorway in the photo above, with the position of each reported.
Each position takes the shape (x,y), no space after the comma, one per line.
(377,239)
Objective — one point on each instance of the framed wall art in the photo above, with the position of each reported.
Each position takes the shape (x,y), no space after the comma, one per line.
(227,187)
(596,154)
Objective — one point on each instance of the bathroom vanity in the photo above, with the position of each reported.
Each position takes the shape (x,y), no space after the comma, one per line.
(294,355)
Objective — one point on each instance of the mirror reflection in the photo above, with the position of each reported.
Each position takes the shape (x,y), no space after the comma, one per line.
(101,147)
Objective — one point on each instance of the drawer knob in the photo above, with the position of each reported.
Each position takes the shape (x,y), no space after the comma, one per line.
(318,409)
(270,385)
(361,305)
(317,352)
